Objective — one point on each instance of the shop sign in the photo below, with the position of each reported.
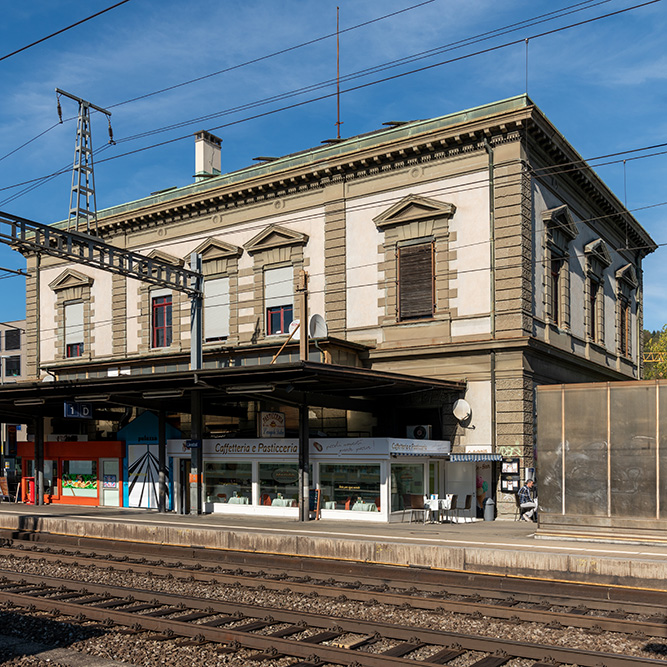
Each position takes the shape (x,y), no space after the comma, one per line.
(271,424)
(410,447)
(285,475)
(322,447)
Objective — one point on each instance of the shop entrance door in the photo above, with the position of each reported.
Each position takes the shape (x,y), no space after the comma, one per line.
(110,482)
(184,486)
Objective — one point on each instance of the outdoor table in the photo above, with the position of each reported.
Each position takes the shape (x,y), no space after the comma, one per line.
(436,507)
(365,507)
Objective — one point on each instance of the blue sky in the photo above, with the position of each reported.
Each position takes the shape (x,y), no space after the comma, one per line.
(602,84)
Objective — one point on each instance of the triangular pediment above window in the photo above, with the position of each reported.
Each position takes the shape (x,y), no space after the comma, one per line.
(411,208)
(560,218)
(70,278)
(628,275)
(598,249)
(275,236)
(164,257)
(213,249)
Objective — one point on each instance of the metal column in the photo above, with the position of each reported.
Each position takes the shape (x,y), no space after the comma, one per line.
(162,462)
(39,460)
(304,465)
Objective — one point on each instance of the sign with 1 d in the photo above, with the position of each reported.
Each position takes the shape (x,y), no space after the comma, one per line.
(80,410)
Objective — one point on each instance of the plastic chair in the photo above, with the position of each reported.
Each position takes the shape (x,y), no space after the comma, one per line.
(466,507)
(452,507)
(415,505)
(266,499)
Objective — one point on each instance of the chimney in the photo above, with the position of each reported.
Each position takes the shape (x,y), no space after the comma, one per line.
(207,155)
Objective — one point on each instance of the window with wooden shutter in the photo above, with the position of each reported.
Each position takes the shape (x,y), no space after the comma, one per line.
(415,281)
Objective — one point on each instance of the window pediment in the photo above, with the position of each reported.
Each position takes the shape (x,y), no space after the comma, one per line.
(598,250)
(275,236)
(213,249)
(70,278)
(412,208)
(560,219)
(628,275)
(164,257)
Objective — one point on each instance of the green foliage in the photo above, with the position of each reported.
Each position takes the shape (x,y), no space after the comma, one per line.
(655,344)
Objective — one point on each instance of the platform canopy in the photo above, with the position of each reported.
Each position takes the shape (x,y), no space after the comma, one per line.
(305,382)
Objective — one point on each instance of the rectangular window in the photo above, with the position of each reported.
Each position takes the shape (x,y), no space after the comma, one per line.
(12,339)
(624,326)
(415,281)
(593,295)
(279,299)
(73,330)
(12,366)
(216,309)
(555,267)
(79,479)
(278,484)
(228,482)
(345,485)
(161,321)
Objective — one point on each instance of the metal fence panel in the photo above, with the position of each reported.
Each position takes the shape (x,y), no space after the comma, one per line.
(633,451)
(586,450)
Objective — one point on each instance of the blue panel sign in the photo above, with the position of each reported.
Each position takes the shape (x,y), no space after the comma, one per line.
(192,444)
(79,410)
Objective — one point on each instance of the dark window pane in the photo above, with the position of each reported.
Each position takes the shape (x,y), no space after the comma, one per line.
(12,339)
(12,366)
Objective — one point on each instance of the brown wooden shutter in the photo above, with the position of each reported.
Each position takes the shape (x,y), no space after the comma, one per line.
(415,281)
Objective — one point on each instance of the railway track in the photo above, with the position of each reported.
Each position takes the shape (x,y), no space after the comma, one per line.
(567,608)
(312,638)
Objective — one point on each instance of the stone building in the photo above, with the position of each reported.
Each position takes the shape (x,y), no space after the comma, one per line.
(476,247)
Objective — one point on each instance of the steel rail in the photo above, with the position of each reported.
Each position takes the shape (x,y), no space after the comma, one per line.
(39,586)
(420,600)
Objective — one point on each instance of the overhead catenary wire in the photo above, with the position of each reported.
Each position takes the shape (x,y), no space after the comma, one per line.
(457,44)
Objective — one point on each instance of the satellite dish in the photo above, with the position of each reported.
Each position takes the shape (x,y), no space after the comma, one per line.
(317,327)
(462,410)
(292,327)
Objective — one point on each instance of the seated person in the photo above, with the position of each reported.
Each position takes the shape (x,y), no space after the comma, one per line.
(527,502)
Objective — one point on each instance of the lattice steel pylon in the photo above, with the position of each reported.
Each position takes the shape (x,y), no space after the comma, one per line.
(83,203)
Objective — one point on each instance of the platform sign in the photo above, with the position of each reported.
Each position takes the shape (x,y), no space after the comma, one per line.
(79,410)
(192,444)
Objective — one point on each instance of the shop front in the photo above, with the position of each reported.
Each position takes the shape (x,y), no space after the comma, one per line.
(75,473)
(368,479)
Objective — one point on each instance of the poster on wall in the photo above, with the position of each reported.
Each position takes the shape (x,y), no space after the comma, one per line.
(142,475)
(271,424)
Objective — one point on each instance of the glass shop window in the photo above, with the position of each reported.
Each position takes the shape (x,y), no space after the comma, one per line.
(228,482)
(406,479)
(350,486)
(50,475)
(279,484)
(79,478)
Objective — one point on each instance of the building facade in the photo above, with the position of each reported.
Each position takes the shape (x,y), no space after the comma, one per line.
(477,247)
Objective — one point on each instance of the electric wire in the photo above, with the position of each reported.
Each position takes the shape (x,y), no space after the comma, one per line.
(127,153)
(62,30)
(365,72)
(382,80)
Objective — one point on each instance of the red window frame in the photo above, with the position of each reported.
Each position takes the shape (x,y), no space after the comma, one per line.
(161,321)
(74,350)
(286,314)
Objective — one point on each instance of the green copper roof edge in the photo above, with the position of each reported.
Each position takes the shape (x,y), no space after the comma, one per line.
(346,146)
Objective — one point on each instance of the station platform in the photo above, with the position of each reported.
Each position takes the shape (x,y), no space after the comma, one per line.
(510,548)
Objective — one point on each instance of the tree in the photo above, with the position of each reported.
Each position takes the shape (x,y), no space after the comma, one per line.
(655,354)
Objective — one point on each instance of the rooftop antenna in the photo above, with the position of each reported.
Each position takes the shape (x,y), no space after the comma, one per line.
(82,203)
(338,121)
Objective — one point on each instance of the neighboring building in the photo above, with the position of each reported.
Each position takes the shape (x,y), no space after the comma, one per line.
(474,247)
(12,369)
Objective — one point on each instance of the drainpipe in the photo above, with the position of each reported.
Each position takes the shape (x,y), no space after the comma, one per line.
(492,295)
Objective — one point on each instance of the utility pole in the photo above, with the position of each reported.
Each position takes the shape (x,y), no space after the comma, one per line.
(82,203)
